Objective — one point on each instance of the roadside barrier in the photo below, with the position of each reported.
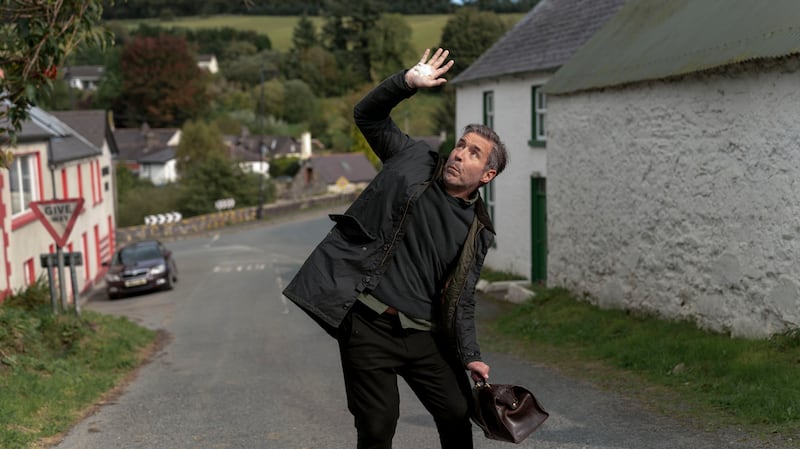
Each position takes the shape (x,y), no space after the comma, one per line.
(216,220)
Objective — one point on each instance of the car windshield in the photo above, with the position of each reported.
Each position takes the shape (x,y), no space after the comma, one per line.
(137,253)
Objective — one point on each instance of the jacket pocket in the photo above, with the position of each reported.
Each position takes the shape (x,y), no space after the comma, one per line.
(351,229)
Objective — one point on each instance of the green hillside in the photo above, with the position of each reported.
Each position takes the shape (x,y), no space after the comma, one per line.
(426,29)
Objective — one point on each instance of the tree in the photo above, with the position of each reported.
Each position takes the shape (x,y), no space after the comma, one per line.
(300,105)
(199,143)
(219,178)
(390,46)
(317,67)
(468,34)
(304,35)
(346,34)
(246,70)
(35,38)
(161,83)
(485,28)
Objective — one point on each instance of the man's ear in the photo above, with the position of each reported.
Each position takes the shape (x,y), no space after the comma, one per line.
(488,175)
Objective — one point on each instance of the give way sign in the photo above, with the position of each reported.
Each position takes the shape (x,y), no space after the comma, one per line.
(58,216)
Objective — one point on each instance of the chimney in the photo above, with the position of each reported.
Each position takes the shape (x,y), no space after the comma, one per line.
(305,145)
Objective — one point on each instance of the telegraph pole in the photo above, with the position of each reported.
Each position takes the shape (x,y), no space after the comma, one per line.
(262,149)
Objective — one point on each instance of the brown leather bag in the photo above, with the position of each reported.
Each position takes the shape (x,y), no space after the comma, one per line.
(506,412)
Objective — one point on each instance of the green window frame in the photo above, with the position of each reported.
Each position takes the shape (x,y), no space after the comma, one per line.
(488,108)
(488,120)
(538,117)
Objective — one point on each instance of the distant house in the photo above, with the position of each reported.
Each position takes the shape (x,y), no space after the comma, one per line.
(149,152)
(84,77)
(673,161)
(246,149)
(335,173)
(208,63)
(503,89)
(57,156)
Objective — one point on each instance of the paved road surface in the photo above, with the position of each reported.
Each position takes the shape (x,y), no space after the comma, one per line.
(245,369)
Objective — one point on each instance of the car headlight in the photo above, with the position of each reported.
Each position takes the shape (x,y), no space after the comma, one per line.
(111,277)
(158,269)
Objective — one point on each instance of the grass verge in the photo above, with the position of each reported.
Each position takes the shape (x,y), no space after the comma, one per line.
(54,367)
(674,366)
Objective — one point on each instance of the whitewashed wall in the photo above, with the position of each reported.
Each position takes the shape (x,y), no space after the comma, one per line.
(28,241)
(682,197)
(512,121)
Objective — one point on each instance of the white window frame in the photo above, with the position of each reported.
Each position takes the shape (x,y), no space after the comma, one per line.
(538,117)
(23,190)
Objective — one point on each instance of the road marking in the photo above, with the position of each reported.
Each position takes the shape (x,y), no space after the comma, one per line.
(238,268)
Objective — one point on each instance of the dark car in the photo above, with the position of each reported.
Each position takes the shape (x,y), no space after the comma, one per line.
(140,266)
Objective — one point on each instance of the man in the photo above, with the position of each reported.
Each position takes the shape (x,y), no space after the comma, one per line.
(394,280)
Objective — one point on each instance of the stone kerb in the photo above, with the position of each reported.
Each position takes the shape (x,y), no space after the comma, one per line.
(221,219)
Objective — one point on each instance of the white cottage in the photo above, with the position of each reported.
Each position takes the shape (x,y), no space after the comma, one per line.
(674,163)
(502,89)
(52,160)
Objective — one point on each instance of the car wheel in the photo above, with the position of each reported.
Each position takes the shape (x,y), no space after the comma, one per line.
(168,285)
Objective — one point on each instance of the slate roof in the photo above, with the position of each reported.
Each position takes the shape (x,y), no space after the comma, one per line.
(30,131)
(84,72)
(89,123)
(66,143)
(246,146)
(355,167)
(543,40)
(656,39)
(145,144)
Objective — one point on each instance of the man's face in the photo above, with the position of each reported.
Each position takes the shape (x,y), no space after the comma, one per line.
(465,168)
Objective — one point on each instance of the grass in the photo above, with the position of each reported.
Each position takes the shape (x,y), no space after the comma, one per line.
(54,367)
(750,383)
(426,29)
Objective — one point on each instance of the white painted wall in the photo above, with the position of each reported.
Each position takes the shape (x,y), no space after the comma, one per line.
(682,197)
(512,122)
(30,239)
(160,174)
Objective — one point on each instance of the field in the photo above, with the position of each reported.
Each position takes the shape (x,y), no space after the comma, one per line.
(426,29)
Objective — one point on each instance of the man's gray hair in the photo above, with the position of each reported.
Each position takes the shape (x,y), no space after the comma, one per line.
(498,156)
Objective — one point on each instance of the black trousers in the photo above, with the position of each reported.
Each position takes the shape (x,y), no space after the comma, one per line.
(375,350)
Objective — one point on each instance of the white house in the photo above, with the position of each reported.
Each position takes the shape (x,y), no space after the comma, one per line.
(52,160)
(149,152)
(208,63)
(674,164)
(84,77)
(502,89)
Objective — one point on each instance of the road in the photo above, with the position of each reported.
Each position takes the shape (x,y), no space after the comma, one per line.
(244,368)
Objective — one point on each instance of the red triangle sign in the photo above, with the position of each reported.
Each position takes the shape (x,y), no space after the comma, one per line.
(58,216)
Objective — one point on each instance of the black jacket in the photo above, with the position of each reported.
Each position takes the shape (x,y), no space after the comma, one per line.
(355,253)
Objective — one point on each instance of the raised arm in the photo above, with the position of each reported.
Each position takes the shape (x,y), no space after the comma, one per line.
(372,112)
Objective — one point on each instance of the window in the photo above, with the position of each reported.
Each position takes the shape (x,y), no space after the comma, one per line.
(488,120)
(538,115)
(488,198)
(29,272)
(22,183)
(64,183)
(488,109)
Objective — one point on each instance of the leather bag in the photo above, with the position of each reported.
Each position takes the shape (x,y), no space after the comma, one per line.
(506,412)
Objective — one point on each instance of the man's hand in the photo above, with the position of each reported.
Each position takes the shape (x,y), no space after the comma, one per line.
(429,74)
(478,370)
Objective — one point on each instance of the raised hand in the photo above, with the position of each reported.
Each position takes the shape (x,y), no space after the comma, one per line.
(429,74)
